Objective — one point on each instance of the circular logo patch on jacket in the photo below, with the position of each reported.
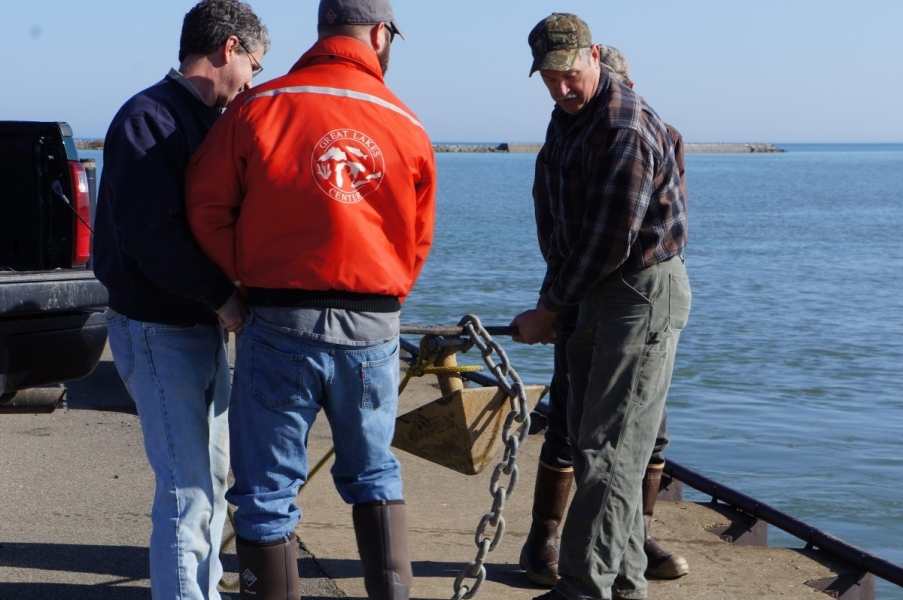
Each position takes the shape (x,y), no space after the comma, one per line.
(347,165)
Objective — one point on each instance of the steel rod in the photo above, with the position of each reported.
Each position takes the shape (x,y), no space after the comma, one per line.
(453,330)
(479,378)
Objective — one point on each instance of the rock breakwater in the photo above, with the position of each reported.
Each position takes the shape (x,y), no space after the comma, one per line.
(717,148)
(731,148)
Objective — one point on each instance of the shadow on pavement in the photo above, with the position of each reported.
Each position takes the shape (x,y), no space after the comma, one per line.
(511,575)
(126,562)
(101,390)
(58,591)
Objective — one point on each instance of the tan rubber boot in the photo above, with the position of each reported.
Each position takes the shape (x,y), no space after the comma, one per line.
(539,556)
(381,530)
(268,570)
(661,563)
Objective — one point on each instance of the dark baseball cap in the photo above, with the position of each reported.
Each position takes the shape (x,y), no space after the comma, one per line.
(357,12)
(556,40)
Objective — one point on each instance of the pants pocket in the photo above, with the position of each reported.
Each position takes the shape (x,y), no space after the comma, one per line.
(679,300)
(276,379)
(164,328)
(649,379)
(380,380)
(121,346)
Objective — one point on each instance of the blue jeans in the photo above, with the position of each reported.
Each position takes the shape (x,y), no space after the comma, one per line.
(178,376)
(620,359)
(283,377)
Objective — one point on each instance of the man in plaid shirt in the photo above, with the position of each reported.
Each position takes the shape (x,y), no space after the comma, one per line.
(612,223)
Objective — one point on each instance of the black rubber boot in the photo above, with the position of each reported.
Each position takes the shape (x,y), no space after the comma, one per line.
(661,563)
(268,570)
(381,530)
(539,556)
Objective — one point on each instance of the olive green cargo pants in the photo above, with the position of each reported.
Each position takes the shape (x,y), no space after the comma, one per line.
(620,357)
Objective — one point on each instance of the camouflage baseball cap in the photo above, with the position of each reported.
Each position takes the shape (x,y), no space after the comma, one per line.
(555,41)
(612,58)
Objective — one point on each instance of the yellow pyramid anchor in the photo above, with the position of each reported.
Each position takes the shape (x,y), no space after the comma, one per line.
(463,429)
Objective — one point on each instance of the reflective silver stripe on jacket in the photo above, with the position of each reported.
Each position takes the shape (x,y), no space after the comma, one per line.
(328,91)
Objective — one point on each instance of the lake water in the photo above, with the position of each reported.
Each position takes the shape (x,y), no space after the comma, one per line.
(789,377)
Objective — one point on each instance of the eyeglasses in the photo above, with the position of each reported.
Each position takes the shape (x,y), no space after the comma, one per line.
(392,31)
(256,67)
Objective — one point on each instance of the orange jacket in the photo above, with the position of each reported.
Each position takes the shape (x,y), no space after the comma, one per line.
(318,180)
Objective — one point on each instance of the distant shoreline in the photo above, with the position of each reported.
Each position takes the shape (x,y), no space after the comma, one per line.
(719,148)
(731,148)
(89,144)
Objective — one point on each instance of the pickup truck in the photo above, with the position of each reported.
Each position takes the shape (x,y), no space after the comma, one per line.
(52,327)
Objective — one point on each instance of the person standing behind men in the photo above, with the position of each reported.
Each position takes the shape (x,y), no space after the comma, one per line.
(609,193)
(317,192)
(539,556)
(660,562)
(168,303)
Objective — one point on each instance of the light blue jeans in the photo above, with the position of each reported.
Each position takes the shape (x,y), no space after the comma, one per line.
(283,377)
(620,358)
(178,376)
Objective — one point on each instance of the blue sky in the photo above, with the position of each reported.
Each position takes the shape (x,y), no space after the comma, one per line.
(719,70)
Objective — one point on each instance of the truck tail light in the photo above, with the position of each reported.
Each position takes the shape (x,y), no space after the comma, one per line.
(81,203)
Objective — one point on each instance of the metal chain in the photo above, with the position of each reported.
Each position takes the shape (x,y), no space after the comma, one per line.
(518,417)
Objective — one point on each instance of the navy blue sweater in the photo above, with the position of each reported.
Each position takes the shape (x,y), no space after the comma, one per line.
(144,252)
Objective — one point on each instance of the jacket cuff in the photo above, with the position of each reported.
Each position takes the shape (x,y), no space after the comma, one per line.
(549,304)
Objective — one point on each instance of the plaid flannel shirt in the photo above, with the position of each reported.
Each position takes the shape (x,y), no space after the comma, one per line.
(608,193)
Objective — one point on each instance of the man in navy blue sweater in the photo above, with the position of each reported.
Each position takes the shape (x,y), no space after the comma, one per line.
(169,306)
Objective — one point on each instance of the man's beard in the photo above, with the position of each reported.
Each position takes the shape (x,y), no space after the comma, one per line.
(384,58)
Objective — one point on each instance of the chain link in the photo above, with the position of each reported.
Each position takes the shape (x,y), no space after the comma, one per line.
(514,433)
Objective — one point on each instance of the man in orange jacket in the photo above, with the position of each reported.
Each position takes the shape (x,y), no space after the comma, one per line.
(316,193)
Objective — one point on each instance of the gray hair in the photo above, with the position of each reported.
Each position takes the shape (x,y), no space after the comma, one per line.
(212,22)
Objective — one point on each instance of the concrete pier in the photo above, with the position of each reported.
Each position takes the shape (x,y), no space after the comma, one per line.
(446,507)
(77,491)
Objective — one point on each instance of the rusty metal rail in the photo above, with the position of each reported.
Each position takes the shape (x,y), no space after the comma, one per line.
(812,536)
